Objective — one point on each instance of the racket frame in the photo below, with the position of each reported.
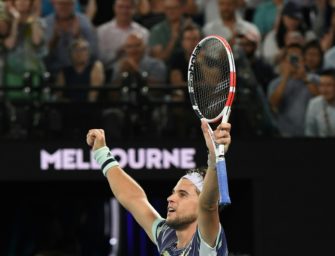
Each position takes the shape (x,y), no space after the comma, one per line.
(225,113)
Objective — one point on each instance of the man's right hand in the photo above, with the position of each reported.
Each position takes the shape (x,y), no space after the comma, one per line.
(95,138)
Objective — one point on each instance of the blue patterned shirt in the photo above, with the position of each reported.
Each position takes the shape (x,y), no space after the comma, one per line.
(166,241)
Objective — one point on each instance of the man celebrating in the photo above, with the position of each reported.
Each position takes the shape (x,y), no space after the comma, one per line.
(192,225)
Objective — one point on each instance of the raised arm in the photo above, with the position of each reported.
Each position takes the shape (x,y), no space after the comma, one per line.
(130,195)
(208,219)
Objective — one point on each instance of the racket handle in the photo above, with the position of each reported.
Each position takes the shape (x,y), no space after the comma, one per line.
(222,182)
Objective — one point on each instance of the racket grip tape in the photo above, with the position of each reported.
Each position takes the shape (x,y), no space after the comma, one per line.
(222,182)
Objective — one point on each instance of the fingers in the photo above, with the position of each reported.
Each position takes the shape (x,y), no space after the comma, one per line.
(222,134)
(94,135)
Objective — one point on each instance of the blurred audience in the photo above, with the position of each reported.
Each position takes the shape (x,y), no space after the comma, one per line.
(248,42)
(290,92)
(251,107)
(113,34)
(229,24)
(267,15)
(291,27)
(149,12)
(136,61)
(278,56)
(178,67)
(89,8)
(329,58)
(84,72)
(320,114)
(165,36)
(63,27)
(328,39)
(25,48)
(313,57)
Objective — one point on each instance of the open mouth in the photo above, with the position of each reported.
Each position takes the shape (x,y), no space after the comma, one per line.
(170,210)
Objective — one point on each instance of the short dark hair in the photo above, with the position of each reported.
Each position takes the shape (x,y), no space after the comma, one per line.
(190,27)
(328,72)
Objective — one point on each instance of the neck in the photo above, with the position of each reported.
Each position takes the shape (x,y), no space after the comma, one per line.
(79,67)
(185,236)
(331,101)
(123,23)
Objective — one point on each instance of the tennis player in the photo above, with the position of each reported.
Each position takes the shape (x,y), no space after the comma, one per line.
(192,226)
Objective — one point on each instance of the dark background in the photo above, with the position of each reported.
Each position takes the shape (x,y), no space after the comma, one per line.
(281,189)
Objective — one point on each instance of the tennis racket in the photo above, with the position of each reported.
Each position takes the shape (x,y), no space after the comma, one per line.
(211,86)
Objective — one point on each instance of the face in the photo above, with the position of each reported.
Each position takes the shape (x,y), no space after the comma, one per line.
(173,10)
(327,87)
(134,46)
(80,53)
(312,58)
(290,23)
(23,6)
(190,40)
(182,205)
(248,46)
(64,8)
(123,10)
(227,9)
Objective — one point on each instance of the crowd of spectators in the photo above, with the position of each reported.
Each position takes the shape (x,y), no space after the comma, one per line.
(284,52)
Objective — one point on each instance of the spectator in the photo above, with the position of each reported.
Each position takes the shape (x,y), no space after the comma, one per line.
(328,39)
(266,15)
(320,115)
(253,114)
(113,34)
(136,60)
(313,56)
(26,47)
(320,14)
(65,26)
(149,12)
(229,24)
(165,36)
(46,8)
(249,41)
(191,36)
(84,72)
(329,58)
(290,92)
(291,19)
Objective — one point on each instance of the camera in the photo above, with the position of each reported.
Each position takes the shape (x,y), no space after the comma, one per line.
(294,60)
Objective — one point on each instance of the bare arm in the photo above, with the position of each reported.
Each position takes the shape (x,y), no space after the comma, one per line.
(208,220)
(37,31)
(129,193)
(97,80)
(10,41)
(91,9)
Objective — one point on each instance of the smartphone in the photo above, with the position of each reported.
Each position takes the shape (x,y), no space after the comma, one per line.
(294,60)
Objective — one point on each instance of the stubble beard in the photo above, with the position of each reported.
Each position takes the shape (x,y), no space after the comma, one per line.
(180,223)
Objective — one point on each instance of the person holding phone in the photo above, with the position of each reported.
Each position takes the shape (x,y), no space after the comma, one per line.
(290,92)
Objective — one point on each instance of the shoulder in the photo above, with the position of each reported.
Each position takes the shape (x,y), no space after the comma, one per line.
(220,247)
(105,26)
(83,20)
(158,27)
(316,102)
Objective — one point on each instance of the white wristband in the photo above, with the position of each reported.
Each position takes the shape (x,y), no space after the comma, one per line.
(105,159)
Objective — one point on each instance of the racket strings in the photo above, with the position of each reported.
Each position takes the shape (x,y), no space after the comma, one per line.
(211,78)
